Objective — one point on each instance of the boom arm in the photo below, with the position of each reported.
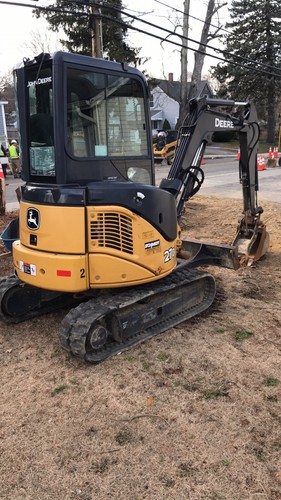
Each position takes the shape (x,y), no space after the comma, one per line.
(186,175)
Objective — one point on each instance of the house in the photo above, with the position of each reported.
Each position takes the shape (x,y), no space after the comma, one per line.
(8,125)
(3,126)
(165,100)
(12,126)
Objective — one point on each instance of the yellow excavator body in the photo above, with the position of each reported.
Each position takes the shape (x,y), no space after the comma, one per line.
(77,248)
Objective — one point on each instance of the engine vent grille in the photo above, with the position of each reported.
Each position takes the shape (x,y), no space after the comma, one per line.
(112,230)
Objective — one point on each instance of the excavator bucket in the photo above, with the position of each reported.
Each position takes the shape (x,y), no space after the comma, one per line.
(252,242)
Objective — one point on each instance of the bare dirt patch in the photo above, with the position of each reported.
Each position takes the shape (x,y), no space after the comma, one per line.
(194,413)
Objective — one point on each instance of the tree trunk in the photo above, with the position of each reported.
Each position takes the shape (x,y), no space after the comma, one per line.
(271,83)
(2,196)
(200,56)
(183,93)
(271,120)
(97,45)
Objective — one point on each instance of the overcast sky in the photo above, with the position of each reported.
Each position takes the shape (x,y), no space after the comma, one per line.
(17,32)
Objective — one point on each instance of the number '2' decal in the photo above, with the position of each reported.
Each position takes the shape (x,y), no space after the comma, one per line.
(169,254)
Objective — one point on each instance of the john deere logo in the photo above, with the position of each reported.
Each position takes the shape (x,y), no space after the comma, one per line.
(33,218)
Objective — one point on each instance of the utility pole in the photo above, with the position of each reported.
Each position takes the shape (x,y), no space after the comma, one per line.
(96,27)
(183,88)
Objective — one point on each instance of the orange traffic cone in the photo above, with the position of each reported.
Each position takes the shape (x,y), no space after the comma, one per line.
(238,154)
(270,153)
(275,153)
(261,163)
(1,172)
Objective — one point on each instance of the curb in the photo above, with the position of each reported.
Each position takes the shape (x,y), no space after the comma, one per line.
(214,157)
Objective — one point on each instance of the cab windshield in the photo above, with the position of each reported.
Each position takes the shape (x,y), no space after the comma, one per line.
(105,115)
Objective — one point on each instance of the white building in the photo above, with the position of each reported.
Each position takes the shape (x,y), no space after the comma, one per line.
(3,126)
(165,99)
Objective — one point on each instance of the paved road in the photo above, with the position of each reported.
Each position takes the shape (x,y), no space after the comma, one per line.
(221,179)
(11,197)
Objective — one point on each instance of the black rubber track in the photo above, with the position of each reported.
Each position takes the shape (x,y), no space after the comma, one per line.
(80,320)
(20,301)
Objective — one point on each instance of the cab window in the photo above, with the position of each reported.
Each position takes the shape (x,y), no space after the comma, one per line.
(105,115)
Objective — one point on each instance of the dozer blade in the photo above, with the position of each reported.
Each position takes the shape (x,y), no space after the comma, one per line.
(203,253)
(252,242)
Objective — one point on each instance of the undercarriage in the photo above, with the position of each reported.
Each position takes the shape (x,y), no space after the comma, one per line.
(113,321)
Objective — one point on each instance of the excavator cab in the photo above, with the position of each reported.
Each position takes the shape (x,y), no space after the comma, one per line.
(83,122)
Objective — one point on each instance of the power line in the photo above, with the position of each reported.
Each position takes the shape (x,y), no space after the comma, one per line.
(267,66)
(128,26)
(192,17)
(247,60)
(183,13)
(193,50)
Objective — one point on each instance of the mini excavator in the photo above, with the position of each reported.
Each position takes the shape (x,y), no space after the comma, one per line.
(95,233)
(165,145)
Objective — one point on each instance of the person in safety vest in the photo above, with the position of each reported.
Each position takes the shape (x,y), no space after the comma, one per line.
(15,159)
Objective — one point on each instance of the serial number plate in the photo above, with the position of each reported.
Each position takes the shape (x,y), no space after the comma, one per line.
(28,268)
